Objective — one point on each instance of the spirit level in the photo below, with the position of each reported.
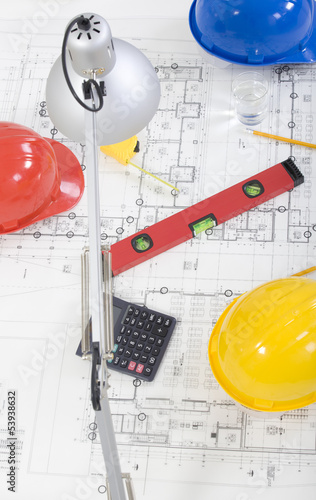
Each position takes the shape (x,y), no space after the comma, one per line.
(204,215)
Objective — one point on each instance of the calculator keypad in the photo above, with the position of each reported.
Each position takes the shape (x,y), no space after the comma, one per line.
(141,338)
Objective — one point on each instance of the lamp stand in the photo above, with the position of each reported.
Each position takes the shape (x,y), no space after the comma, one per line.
(100,351)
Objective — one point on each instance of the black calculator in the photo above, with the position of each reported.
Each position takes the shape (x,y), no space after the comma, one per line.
(141,336)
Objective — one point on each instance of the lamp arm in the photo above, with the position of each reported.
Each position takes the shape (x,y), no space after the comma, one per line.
(100,333)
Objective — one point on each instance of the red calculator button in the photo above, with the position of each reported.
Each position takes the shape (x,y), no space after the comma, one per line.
(139,368)
(131,365)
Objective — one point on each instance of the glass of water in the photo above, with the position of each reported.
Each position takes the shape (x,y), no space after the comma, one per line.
(250,91)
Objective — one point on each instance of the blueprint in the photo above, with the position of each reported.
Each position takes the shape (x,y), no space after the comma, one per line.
(181,436)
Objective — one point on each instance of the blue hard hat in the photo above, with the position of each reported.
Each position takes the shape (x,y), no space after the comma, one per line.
(255,32)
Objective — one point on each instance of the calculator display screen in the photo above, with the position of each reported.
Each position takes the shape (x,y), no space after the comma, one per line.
(116,313)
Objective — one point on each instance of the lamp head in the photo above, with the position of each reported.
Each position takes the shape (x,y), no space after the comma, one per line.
(90,46)
(132,89)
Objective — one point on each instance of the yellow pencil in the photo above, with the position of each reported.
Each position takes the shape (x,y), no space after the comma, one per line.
(284,139)
(306,271)
(154,176)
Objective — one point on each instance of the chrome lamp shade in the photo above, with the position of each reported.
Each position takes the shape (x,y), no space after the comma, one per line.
(130,83)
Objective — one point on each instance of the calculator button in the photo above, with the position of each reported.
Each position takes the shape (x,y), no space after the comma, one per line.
(148,327)
(128,331)
(128,353)
(132,343)
(159,342)
(140,324)
(143,358)
(139,368)
(120,351)
(118,339)
(151,340)
(152,317)
(136,335)
(123,363)
(124,341)
(144,315)
(115,348)
(123,328)
(131,366)
(136,312)
(140,346)
(159,320)
(127,320)
(133,322)
(154,352)
(167,322)
(130,310)
(147,349)
(147,371)
(116,360)
(143,337)
(136,355)
(161,331)
(152,360)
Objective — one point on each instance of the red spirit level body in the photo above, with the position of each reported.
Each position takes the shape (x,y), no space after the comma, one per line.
(204,215)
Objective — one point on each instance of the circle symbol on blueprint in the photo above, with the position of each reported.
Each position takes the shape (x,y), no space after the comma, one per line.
(42,112)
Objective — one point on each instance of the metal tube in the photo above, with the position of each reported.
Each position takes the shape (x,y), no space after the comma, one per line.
(108,303)
(94,219)
(85,319)
(110,453)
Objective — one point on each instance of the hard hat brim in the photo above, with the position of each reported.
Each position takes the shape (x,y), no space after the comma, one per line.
(71,182)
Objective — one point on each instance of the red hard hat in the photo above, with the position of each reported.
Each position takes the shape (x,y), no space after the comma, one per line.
(38,177)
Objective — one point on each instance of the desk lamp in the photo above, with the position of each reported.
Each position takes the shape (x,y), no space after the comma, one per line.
(100,91)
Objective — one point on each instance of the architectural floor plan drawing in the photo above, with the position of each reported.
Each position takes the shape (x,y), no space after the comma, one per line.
(181,436)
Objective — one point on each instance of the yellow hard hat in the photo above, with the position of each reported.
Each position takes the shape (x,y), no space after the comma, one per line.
(262,350)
